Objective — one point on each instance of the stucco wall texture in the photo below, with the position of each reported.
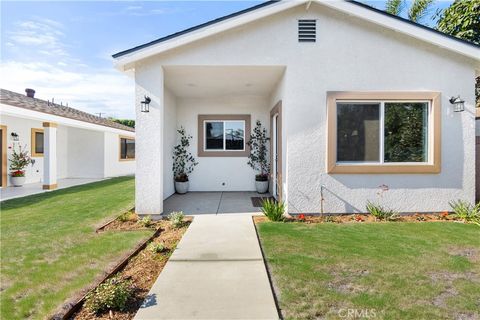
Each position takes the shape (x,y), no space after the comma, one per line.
(350,55)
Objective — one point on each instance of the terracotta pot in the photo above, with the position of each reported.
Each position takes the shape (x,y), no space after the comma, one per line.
(181,187)
(17,181)
(261,186)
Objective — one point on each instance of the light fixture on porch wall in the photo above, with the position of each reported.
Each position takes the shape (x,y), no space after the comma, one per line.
(458,104)
(145,104)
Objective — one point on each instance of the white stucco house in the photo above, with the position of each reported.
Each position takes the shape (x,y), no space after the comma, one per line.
(356,101)
(63,142)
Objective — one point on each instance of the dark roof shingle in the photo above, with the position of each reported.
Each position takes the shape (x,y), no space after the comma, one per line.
(34,104)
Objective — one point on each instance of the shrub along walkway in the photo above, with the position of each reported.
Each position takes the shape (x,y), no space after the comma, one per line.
(216,272)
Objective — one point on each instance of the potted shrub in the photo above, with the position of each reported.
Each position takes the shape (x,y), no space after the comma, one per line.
(258,158)
(183,162)
(18,162)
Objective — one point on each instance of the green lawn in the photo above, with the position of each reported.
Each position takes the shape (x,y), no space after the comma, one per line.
(49,248)
(400,270)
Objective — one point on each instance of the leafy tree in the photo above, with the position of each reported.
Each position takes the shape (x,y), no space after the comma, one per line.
(125,122)
(417,11)
(258,158)
(405,132)
(462,20)
(183,160)
(19,160)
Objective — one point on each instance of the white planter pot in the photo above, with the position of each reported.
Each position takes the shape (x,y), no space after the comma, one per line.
(261,186)
(17,181)
(181,187)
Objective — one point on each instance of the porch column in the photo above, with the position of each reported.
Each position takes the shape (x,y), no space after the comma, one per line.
(149,141)
(49,155)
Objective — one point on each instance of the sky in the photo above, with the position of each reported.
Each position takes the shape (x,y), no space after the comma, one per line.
(63,49)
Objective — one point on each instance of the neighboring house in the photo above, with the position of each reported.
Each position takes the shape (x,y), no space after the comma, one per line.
(356,102)
(477,153)
(64,142)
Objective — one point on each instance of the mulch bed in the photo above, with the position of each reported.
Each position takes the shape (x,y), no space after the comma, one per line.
(127,221)
(141,270)
(365,218)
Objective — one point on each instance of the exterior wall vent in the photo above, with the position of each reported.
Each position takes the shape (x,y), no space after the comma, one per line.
(307,30)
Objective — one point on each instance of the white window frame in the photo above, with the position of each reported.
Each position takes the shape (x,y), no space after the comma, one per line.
(382,134)
(224,136)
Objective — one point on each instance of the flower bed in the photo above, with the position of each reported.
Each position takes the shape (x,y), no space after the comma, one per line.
(142,269)
(366,218)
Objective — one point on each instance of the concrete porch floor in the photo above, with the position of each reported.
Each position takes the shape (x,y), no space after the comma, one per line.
(34,188)
(193,203)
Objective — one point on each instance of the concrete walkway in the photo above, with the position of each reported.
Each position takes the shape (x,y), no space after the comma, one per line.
(216,272)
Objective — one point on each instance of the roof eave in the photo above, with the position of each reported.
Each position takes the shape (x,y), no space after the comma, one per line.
(400,25)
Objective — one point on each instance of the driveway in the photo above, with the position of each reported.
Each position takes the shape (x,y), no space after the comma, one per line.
(216,272)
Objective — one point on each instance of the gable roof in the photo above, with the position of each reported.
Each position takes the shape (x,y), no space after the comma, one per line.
(200,26)
(265,9)
(34,104)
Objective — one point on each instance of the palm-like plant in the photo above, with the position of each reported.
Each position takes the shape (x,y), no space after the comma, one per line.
(416,12)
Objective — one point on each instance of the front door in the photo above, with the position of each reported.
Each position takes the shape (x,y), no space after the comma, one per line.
(276,151)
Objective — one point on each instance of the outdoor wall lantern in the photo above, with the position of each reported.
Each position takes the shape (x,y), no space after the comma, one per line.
(145,104)
(14,136)
(458,104)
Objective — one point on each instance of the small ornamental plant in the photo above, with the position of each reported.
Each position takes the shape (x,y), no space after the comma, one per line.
(183,160)
(176,219)
(301,217)
(420,217)
(113,294)
(19,160)
(273,210)
(380,212)
(156,247)
(126,216)
(465,211)
(17,173)
(330,219)
(358,218)
(443,215)
(146,222)
(258,158)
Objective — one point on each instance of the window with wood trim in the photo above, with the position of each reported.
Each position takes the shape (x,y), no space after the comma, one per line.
(37,142)
(383,132)
(223,135)
(127,148)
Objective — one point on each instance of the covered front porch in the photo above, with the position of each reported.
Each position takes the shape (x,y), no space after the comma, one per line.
(194,203)
(207,101)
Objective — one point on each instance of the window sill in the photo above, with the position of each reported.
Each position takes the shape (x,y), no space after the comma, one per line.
(238,154)
(385,169)
(132,159)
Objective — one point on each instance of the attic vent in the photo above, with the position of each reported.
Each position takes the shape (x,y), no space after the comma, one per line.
(307,30)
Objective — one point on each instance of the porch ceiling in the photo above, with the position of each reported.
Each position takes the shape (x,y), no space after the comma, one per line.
(215,81)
